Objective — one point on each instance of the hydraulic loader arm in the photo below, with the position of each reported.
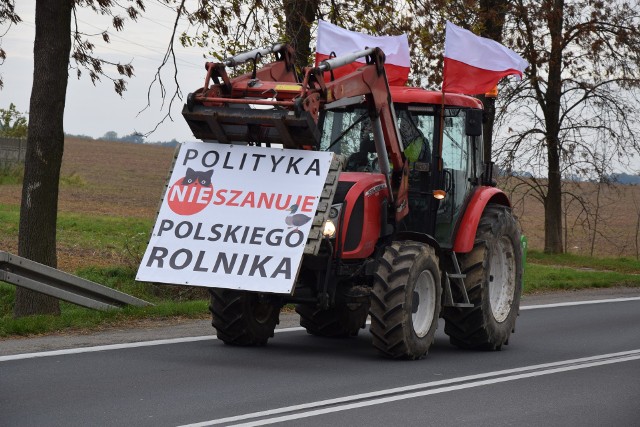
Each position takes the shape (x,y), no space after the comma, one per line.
(369,81)
(224,109)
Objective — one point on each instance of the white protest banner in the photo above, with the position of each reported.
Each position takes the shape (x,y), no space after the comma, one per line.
(235,217)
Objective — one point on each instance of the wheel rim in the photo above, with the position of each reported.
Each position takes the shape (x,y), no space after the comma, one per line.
(502,280)
(424,303)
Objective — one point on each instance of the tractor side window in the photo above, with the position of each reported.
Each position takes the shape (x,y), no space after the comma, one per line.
(455,152)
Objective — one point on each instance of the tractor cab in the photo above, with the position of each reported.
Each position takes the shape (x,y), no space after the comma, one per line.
(442,173)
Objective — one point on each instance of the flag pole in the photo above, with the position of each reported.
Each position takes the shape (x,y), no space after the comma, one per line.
(440,166)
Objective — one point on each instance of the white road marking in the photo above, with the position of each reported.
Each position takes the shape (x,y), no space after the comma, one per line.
(120,346)
(213,337)
(569,304)
(409,392)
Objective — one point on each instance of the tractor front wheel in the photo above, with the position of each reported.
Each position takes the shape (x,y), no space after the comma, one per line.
(405,302)
(345,319)
(243,318)
(494,284)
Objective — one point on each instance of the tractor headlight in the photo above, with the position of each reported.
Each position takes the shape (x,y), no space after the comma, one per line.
(330,225)
(329,229)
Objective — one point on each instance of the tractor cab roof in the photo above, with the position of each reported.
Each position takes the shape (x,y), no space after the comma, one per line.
(416,95)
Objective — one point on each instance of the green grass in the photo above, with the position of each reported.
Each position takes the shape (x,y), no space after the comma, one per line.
(549,278)
(99,233)
(125,235)
(621,265)
(169,301)
(78,318)
(11,175)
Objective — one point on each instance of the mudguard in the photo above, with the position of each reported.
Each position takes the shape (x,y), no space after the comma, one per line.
(466,233)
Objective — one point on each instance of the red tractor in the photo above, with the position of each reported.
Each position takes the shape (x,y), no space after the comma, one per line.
(414,228)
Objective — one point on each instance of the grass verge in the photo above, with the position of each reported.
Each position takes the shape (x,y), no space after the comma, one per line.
(543,273)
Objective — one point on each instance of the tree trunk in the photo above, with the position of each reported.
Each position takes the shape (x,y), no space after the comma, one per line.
(300,14)
(553,202)
(45,143)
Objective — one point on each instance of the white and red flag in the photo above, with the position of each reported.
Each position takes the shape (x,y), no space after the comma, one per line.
(333,39)
(474,65)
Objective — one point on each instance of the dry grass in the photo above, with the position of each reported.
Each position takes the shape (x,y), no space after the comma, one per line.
(618,217)
(108,179)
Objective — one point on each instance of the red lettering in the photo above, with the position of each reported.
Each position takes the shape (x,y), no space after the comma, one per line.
(220,197)
(266,200)
(235,195)
(248,200)
(307,204)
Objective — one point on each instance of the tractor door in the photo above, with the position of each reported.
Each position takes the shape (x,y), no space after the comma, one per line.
(460,162)
(417,130)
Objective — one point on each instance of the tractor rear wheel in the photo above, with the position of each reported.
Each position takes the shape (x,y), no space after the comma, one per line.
(405,302)
(494,284)
(342,320)
(242,318)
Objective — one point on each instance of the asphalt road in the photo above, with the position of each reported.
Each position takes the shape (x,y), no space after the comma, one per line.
(567,365)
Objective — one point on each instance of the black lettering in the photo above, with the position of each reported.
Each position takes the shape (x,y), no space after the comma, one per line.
(293,165)
(314,166)
(244,157)
(197,236)
(205,161)
(256,235)
(157,254)
(215,232)
(165,225)
(173,260)
(226,161)
(257,157)
(244,235)
(283,268)
(181,235)
(227,265)
(190,155)
(231,233)
(243,264)
(198,266)
(259,265)
(289,237)
(275,164)
(274,241)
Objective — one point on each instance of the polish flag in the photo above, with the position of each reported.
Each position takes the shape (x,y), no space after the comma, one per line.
(333,39)
(474,65)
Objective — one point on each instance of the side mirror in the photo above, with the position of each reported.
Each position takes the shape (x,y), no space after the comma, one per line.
(473,123)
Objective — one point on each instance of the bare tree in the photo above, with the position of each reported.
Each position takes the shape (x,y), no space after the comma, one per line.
(585,58)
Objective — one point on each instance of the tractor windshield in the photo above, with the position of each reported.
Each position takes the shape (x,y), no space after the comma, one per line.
(349,132)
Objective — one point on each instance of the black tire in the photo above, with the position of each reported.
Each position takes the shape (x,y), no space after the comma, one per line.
(241,318)
(494,284)
(343,320)
(405,302)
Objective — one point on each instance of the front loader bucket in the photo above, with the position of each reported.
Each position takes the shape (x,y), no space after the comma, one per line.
(243,124)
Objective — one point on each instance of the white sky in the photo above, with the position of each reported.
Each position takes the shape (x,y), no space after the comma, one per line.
(94,110)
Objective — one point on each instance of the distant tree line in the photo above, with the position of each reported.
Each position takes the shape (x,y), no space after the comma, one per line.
(13,124)
(134,138)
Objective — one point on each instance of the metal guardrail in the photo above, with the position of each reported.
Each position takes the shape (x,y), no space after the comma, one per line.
(67,287)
